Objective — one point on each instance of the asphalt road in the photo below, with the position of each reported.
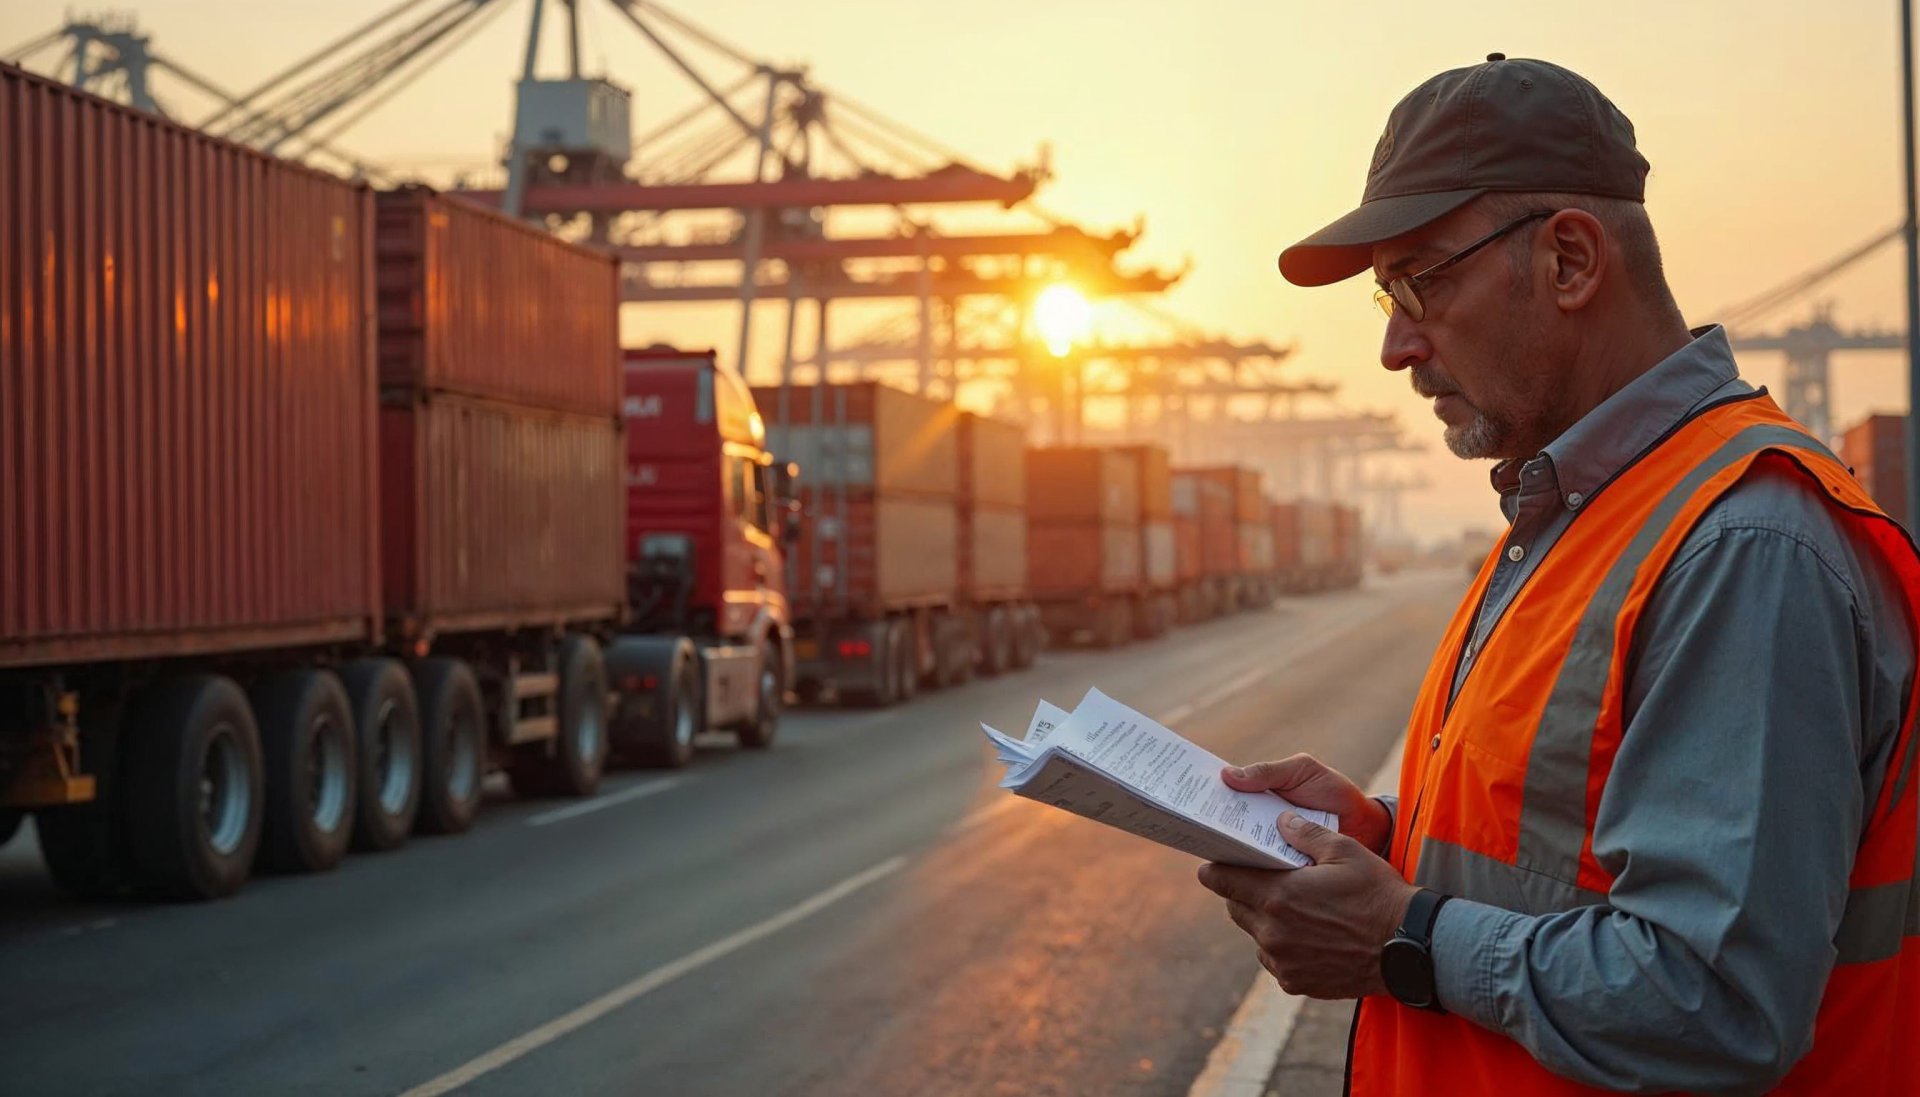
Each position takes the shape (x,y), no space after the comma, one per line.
(856,911)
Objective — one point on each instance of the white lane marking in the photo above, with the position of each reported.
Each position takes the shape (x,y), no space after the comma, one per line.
(652,980)
(611,799)
(1244,1059)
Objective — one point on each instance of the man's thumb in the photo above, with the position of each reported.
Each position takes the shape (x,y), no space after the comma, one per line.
(1262,776)
(1313,839)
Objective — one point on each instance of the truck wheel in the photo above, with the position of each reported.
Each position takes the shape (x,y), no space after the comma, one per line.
(9,826)
(306,742)
(757,734)
(193,788)
(572,763)
(453,745)
(1028,631)
(386,721)
(661,708)
(996,644)
(906,662)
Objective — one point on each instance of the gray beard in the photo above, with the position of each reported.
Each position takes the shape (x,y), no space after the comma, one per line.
(1480,438)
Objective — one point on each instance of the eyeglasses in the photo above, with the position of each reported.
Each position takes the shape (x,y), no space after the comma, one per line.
(1404,291)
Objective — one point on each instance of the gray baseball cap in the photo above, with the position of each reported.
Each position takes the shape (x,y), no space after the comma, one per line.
(1504,125)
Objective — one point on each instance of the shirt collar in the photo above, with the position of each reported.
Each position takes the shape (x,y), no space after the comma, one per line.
(1610,436)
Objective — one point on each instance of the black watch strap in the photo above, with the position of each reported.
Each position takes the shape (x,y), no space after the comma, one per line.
(1422,913)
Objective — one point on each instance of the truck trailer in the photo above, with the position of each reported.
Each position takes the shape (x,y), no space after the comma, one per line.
(1084,543)
(875,584)
(316,524)
(991,546)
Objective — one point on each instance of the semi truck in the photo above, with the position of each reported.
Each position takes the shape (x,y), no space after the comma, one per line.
(1084,543)
(1207,545)
(708,641)
(320,525)
(1159,550)
(874,587)
(1252,582)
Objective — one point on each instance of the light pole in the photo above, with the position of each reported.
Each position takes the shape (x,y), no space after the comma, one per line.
(1912,235)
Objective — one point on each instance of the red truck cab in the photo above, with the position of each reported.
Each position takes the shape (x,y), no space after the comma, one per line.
(708,639)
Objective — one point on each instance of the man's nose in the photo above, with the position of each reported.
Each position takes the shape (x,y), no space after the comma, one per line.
(1403,346)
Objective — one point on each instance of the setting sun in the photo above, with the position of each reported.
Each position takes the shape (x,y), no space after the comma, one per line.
(1063,317)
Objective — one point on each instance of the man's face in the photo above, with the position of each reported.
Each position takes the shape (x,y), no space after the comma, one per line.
(1481,352)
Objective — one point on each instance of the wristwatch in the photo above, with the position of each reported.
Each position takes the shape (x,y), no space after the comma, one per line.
(1406,962)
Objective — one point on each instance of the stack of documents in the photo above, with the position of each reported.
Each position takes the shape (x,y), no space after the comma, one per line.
(1109,763)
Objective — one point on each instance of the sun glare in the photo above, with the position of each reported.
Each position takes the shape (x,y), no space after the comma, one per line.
(1063,317)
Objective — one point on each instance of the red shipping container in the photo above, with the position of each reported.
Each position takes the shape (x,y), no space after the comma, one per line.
(1245,487)
(991,543)
(478,303)
(497,516)
(1189,560)
(1159,555)
(1876,451)
(880,477)
(1286,537)
(1083,484)
(186,390)
(1256,548)
(1076,559)
(1208,499)
(1156,481)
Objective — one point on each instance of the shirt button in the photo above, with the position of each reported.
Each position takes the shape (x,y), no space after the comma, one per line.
(1516,553)
(1574,499)
(1436,743)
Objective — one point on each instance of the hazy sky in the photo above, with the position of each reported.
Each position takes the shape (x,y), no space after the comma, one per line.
(1237,126)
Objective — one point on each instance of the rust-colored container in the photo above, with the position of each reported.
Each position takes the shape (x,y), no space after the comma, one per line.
(186,390)
(1286,537)
(1156,481)
(1077,559)
(1212,508)
(1189,560)
(880,479)
(992,518)
(486,305)
(1876,451)
(1083,484)
(1348,544)
(1244,486)
(1319,538)
(498,516)
(1255,541)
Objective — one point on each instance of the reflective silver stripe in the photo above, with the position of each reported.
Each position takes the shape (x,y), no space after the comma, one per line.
(1456,870)
(1553,806)
(1876,919)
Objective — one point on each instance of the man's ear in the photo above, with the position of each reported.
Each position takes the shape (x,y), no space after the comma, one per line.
(1580,254)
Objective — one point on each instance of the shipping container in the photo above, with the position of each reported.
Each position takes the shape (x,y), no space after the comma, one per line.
(1244,487)
(1286,542)
(1876,450)
(875,577)
(992,516)
(474,302)
(1156,481)
(1071,560)
(1083,484)
(186,391)
(499,517)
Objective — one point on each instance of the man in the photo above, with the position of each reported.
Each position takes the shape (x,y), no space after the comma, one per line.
(1656,823)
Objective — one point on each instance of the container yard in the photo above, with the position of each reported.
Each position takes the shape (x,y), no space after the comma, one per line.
(515,516)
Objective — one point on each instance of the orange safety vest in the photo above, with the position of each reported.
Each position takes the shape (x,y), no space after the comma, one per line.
(1498,795)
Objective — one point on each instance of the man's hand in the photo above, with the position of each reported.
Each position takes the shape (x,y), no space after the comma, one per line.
(1319,929)
(1306,781)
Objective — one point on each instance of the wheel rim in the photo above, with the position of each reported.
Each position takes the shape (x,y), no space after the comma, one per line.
(327,792)
(590,733)
(393,760)
(683,719)
(769,695)
(463,775)
(226,796)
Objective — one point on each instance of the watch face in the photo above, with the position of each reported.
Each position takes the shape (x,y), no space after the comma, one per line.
(1407,969)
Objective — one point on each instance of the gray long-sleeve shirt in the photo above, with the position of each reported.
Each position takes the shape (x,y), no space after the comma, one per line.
(1767,682)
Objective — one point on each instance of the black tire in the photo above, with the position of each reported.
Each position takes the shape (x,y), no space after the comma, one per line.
(572,762)
(770,691)
(1027,633)
(658,731)
(906,662)
(887,692)
(307,748)
(194,788)
(996,643)
(386,723)
(453,746)
(9,825)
